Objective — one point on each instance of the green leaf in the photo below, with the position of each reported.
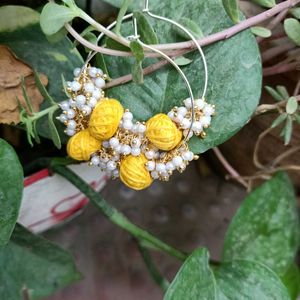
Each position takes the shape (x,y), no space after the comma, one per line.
(279,120)
(283,91)
(100,63)
(137,72)
(291,279)
(122,12)
(265,3)
(233,60)
(288,130)
(137,50)
(42,88)
(112,44)
(261,31)
(295,12)
(54,17)
(277,96)
(58,36)
(195,279)
(192,27)
(232,9)
(54,133)
(242,279)
(297,118)
(11,189)
(29,43)
(265,227)
(291,106)
(25,96)
(182,61)
(31,262)
(292,29)
(145,30)
(235,280)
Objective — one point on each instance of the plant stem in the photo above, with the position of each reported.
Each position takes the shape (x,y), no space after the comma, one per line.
(114,215)
(280,68)
(156,276)
(44,112)
(189,45)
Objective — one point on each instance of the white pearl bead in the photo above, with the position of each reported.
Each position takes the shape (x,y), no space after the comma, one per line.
(111,165)
(185,132)
(127,115)
(69,83)
(150,154)
(136,143)
(99,71)
(114,142)
(92,102)
(188,155)
(102,165)
(182,110)
(170,166)
(105,144)
(93,71)
(186,123)
(160,167)
(64,105)
(135,128)
(178,118)
(208,110)
(154,175)
(115,158)
(188,102)
(118,148)
(200,103)
(125,150)
(89,87)
(75,86)
(177,161)
(135,151)
(150,165)
(62,118)
(115,173)
(141,128)
(80,100)
(72,103)
(70,113)
(127,124)
(76,72)
(197,126)
(72,124)
(70,132)
(104,159)
(96,93)
(86,109)
(171,114)
(100,82)
(95,160)
(205,120)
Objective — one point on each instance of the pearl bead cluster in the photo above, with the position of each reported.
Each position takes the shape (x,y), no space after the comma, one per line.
(85,91)
(130,138)
(182,116)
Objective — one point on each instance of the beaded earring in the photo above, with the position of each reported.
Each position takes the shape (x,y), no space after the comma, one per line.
(105,133)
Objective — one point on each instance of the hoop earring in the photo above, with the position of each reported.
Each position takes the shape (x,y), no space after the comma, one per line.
(104,133)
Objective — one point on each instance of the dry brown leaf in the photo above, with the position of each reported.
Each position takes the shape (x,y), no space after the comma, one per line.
(12,70)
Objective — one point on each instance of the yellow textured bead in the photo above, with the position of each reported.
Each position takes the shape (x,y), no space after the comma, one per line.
(81,145)
(134,173)
(105,119)
(162,132)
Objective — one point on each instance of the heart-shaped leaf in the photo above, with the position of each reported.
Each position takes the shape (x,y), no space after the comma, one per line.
(234,72)
(265,227)
(11,189)
(33,266)
(232,9)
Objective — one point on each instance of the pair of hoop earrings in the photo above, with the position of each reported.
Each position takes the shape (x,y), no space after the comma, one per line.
(106,134)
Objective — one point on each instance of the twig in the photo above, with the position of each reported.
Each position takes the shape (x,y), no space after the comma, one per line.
(297,88)
(256,161)
(155,274)
(114,215)
(275,51)
(280,68)
(188,45)
(228,167)
(285,154)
